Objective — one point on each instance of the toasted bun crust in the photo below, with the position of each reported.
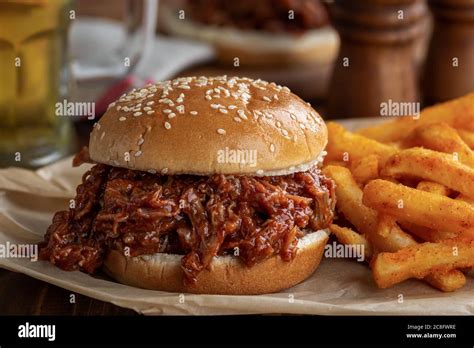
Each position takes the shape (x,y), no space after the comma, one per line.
(212,125)
(227,275)
(257,48)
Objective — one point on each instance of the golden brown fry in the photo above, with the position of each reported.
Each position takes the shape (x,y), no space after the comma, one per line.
(424,233)
(365,169)
(348,236)
(431,165)
(441,137)
(467,137)
(458,113)
(452,169)
(349,147)
(420,260)
(349,202)
(390,238)
(433,187)
(419,207)
(463,198)
(349,199)
(446,281)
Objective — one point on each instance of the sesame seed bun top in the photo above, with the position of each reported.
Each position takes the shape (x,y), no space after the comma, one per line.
(209,125)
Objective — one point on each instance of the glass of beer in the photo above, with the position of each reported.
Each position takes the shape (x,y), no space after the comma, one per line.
(34,76)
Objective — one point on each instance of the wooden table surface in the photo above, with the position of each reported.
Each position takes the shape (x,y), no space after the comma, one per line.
(23,295)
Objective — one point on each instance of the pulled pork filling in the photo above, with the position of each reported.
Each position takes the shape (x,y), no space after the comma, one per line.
(266,15)
(139,213)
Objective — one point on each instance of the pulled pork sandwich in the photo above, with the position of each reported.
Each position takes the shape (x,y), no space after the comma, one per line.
(259,33)
(203,185)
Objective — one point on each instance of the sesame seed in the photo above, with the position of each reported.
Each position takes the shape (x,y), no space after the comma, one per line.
(118,108)
(232,107)
(272,147)
(260,172)
(286,89)
(302,126)
(138,113)
(215,106)
(193,113)
(284,132)
(278,124)
(167,125)
(180,109)
(208,97)
(221,131)
(172,115)
(151,171)
(167,111)
(268,115)
(147,108)
(179,100)
(140,141)
(102,135)
(122,118)
(184,87)
(150,103)
(242,115)
(266,98)
(126,156)
(138,153)
(236,119)
(224,111)
(150,112)
(164,171)
(275,96)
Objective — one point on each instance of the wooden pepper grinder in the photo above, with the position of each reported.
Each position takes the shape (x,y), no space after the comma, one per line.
(376,61)
(449,71)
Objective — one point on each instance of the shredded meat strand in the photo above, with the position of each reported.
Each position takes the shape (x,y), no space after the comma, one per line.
(199,217)
(82,157)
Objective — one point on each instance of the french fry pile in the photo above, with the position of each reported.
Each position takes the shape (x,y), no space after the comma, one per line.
(407,188)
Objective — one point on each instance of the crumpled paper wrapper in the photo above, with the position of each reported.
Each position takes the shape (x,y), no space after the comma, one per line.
(28,200)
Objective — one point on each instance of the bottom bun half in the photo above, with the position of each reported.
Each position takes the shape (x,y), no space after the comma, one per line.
(226,274)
